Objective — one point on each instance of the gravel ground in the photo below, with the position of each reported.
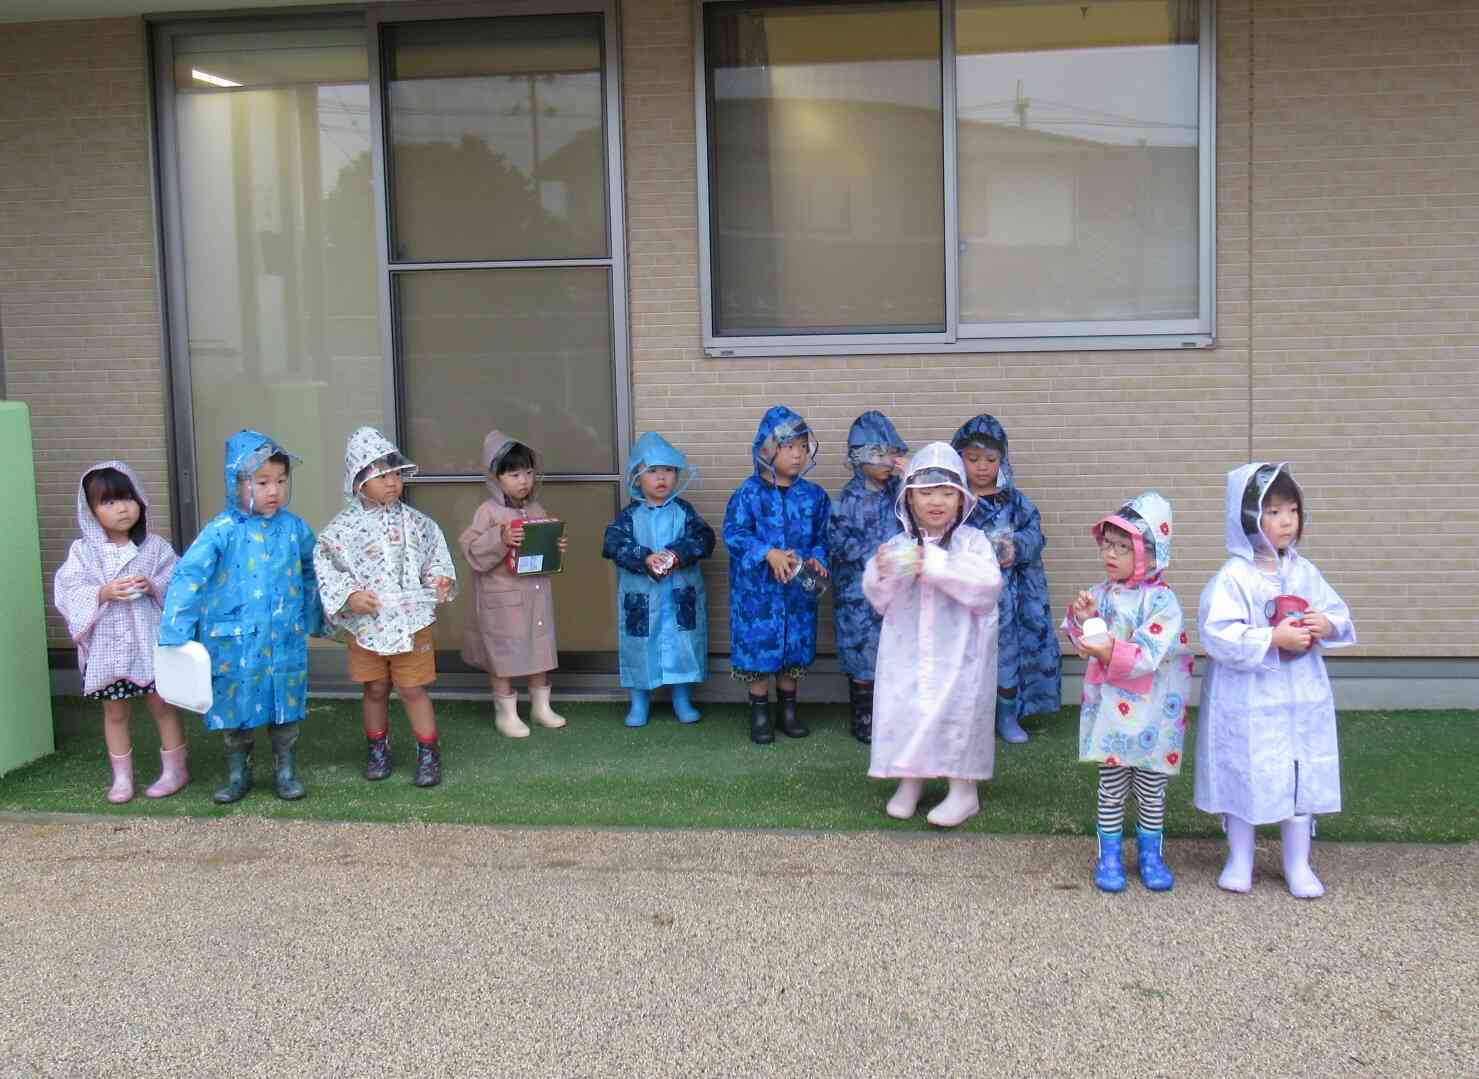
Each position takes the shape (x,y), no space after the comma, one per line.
(246,947)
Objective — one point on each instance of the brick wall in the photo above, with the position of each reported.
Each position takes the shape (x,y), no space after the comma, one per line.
(77,263)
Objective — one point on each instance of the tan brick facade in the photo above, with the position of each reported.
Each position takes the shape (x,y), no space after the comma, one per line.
(1347,262)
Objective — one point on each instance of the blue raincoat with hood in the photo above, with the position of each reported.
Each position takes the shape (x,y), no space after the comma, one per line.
(773,626)
(246,589)
(862,518)
(1029,657)
(662,624)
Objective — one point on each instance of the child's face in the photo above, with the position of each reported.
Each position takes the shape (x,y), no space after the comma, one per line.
(981,468)
(1118,554)
(1280,521)
(790,459)
(657,483)
(116,515)
(384,490)
(935,508)
(266,489)
(878,474)
(517,483)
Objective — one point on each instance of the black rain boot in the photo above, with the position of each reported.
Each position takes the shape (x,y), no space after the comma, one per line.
(238,777)
(761,732)
(284,759)
(378,765)
(861,696)
(428,764)
(786,720)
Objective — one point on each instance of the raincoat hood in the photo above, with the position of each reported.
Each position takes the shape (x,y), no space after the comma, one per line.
(1244,537)
(247,451)
(934,465)
(778,426)
(869,430)
(366,446)
(1147,518)
(93,532)
(654,451)
(981,430)
(495,445)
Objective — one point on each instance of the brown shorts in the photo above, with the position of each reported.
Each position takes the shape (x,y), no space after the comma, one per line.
(418,667)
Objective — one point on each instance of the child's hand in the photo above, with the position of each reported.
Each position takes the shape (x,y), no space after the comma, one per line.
(363,603)
(1103,651)
(901,466)
(119,589)
(1084,607)
(1006,553)
(444,589)
(1293,636)
(1318,625)
(783,564)
(514,536)
(564,544)
(657,563)
(817,567)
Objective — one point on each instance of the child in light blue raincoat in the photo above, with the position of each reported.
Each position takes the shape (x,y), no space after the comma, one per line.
(246,589)
(1029,664)
(862,520)
(775,527)
(656,543)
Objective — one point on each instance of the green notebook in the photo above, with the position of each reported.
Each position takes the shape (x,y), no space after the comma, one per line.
(540,551)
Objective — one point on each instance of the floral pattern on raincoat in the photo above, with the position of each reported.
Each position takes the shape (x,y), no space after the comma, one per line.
(773,626)
(115,639)
(1029,657)
(662,625)
(862,519)
(1266,736)
(1134,708)
(395,552)
(246,590)
(510,628)
(934,699)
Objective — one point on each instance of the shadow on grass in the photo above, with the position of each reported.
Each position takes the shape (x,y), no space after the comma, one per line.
(1406,775)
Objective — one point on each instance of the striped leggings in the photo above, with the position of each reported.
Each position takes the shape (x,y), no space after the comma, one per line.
(1150,797)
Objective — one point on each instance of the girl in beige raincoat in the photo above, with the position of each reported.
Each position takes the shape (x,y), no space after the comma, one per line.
(511,619)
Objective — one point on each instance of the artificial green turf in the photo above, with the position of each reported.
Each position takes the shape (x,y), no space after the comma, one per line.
(1406,775)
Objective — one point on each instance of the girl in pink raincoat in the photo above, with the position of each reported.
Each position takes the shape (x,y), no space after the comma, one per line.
(110,591)
(936,586)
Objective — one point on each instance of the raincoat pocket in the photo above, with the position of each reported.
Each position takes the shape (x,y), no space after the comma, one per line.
(687,600)
(634,614)
(224,629)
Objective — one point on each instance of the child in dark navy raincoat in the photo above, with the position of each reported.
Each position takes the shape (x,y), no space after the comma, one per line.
(661,617)
(247,590)
(1029,658)
(776,524)
(862,520)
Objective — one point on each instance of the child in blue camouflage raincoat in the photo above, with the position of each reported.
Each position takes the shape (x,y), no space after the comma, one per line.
(775,527)
(863,519)
(1029,658)
(246,589)
(661,618)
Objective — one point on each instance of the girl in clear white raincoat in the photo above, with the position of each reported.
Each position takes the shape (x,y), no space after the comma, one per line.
(1266,740)
(936,586)
(1132,722)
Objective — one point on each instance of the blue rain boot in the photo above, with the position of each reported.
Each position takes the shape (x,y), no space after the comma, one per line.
(683,704)
(637,714)
(1007,710)
(1153,872)
(1109,871)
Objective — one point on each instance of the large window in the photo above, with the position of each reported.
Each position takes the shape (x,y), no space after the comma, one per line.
(889,175)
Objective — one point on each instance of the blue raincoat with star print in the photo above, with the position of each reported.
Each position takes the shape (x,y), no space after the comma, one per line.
(247,591)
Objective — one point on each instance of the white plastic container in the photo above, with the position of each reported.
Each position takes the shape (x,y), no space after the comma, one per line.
(182,676)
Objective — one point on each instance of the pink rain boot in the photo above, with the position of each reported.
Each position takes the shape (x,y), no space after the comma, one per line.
(173,776)
(123,777)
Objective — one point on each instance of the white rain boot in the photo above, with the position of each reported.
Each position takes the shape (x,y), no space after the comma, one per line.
(1301,879)
(540,711)
(905,800)
(959,806)
(506,717)
(1237,874)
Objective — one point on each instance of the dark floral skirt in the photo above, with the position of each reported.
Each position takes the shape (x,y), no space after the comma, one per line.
(121,690)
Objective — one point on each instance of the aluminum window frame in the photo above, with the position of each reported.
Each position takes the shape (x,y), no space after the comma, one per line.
(958,337)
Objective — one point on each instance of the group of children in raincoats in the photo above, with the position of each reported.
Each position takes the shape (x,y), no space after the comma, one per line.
(942,618)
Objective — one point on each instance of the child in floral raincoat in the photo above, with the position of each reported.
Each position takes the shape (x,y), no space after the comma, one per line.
(1133,719)
(1029,660)
(246,589)
(661,617)
(109,590)
(863,517)
(1266,740)
(382,569)
(775,524)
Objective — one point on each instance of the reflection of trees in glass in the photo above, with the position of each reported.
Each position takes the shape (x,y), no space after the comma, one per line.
(349,239)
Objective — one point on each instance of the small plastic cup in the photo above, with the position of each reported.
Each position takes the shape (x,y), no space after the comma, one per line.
(811,582)
(1095,632)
